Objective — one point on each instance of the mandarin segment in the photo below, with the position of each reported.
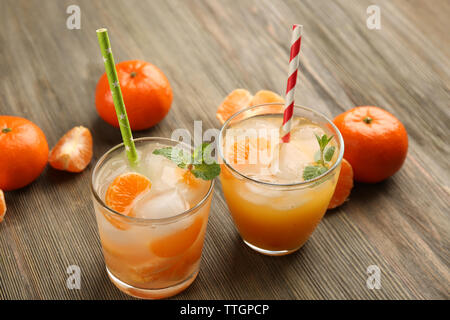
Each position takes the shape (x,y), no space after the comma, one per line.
(242,149)
(73,152)
(124,190)
(237,100)
(344,185)
(2,206)
(177,242)
(189,179)
(266,96)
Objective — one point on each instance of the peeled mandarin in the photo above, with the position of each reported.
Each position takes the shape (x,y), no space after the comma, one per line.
(178,242)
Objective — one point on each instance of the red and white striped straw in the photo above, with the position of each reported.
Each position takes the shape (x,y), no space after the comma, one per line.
(292,80)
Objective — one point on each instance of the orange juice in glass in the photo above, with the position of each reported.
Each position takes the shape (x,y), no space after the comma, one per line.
(276,207)
(151,220)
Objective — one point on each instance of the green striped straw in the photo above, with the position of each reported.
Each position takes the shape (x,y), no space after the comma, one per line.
(114,85)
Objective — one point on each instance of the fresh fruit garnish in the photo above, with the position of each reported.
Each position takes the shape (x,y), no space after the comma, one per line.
(177,242)
(24,152)
(2,206)
(266,96)
(241,151)
(325,156)
(73,152)
(237,100)
(188,178)
(344,185)
(376,142)
(200,163)
(146,92)
(124,190)
(240,99)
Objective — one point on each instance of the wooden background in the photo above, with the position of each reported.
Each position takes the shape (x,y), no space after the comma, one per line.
(206,49)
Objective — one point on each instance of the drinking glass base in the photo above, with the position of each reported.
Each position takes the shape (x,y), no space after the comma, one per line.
(270,252)
(151,293)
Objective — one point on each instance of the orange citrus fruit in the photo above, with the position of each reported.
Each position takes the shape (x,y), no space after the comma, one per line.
(73,152)
(121,195)
(2,206)
(124,190)
(146,92)
(376,142)
(240,99)
(177,242)
(189,179)
(237,100)
(266,96)
(344,185)
(24,152)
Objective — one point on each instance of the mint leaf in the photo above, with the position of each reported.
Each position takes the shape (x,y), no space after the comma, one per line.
(311,172)
(206,171)
(329,152)
(203,154)
(201,164)
(180,156)
(319,140)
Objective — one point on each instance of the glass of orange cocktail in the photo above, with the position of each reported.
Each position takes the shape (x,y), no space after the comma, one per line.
(274,203)
(151,220)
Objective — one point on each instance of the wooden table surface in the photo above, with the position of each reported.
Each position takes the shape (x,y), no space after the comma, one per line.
(206,49)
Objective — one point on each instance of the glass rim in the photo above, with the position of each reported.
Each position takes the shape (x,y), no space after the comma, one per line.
(282,185)
(145,220)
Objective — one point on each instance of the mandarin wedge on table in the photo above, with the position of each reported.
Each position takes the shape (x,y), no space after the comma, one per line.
(344,185)
(376,142)
(2,206)
(24,152)
(240,99)
(237,100)
(266,96)
(73,152)
(146,92)
(122,193)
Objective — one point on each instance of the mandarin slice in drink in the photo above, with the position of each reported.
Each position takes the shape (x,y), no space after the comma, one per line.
(344,185)
(177,242)
(189,179)
(122,193)
(73,152)
(243,148)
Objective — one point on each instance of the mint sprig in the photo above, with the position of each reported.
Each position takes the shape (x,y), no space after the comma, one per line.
(176,155)
(201,164)
(325,155)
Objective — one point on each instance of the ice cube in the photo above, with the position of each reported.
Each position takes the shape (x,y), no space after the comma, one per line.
(306,136)
(290,160)
(160,204)
(161,171)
